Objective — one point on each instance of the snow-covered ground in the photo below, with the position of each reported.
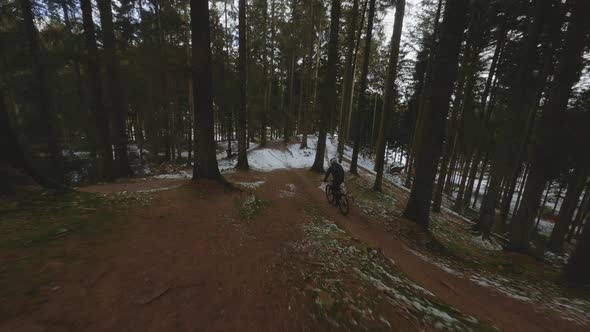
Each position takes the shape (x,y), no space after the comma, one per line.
(269,159)
(292,157)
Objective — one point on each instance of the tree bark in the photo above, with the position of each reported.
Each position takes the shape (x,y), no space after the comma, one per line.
(444,71)
(389,94)
(242,108)
(348,77)
(575,185)
(566,75)
(95,87)
(329,99)
(577,269)
(266,73)
(42,90)
(13,153)
(583,210)
(205,152)
(307,97)
(520,96)
(114,86)
(484,165)
(362,101)
(414,145)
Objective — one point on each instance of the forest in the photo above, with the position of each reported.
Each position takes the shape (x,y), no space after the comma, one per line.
(172,134)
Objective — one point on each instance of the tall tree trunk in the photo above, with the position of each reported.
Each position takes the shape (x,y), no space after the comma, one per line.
(348,76)
(389,93)
(205,153)
(520,97)
(575,185)
(95,87)
(583,210)
(242,109)
(291,108)
(507,197)
(577,268)
(475,45)
(42,89)
(362,101)
(13,154)
(305,114)
(484,165)
(484,106)
(520,189)
(265,70)
(444,71)
(228,45)
(449,147)
(567,74)
(114,86)
(463,182)
(423,97)
(163,92)
(329,86)
(271,67)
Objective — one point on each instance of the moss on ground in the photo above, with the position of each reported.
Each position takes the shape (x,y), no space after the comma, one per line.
(251,206)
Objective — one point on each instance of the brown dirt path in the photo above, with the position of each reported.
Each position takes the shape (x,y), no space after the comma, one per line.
(186,263)
(485,303)
(189,263)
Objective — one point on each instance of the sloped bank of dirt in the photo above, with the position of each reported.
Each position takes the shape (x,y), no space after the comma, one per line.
(486,303)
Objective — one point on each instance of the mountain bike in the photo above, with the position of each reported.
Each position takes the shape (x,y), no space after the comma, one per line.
(342,201)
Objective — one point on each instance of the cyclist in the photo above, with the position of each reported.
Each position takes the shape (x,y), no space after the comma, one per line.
(337,172)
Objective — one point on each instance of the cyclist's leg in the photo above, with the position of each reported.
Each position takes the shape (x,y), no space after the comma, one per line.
(336,189)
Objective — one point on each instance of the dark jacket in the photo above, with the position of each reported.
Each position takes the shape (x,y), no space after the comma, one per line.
(337,173)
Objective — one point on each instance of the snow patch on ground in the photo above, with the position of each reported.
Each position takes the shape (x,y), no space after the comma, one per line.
(289,191)
(556,259)
(155,189)
(251,185)
(180,175)
(545,227)
(292,157)
(480,242)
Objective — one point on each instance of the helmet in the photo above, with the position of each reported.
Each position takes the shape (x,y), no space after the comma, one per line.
(333,161)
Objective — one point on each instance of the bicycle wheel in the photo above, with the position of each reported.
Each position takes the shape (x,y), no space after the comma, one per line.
(343,205)
(329,194)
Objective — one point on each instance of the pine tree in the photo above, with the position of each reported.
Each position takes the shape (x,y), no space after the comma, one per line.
(577,269)
(520,97)
(13,152)
(95,87)
(576,183)
(348,76)
(114,86)
(567,74)
(329,88)
(205,153)
(362,100)
(389,93)
(444,69)
(42,89)
(242,108)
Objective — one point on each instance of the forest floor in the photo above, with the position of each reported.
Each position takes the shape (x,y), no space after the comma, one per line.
(166,253)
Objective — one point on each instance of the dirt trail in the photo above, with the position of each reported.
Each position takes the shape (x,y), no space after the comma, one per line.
(482,302)
(184,264)
(188,262)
